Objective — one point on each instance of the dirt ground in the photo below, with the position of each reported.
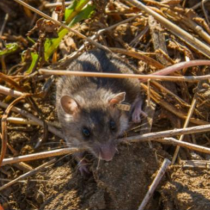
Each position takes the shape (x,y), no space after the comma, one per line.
(119,184)
(123,182)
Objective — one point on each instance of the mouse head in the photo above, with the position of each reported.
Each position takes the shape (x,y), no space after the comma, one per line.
(95,124)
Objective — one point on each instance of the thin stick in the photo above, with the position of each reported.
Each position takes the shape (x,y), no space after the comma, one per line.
(156,75)
(4,24)
(10,92)
(155,183)
(41,155)
(168,133)
(30,173)
(120,76)
(57,4)
(62,25)
(138,55)
(156,136)
(4,126)
(195,163)
(196,6)
(157,98)
(176,30)
(186,123)
(32,117)
(187,145)
(204,11)
(17,120)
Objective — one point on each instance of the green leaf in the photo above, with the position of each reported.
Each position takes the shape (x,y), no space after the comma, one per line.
(51,45)
(84,14)
(10,48)
(34,57)
(73,9)
(69,10)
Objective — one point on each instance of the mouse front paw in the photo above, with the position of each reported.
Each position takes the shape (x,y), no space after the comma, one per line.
(136,115)
(83,168)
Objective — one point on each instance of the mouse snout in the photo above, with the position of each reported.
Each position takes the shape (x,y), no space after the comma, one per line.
(107,152)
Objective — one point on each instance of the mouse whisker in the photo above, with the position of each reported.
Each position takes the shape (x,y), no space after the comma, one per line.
(117,151)
(61,158)
(138,126)
(97,168)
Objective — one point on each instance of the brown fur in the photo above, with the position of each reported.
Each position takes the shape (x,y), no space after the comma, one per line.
(93,95)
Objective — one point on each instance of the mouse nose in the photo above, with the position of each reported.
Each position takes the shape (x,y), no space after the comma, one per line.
(107,152)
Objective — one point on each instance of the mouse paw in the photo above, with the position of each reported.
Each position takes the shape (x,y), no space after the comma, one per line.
(136,115)
(137,111)
(83,168)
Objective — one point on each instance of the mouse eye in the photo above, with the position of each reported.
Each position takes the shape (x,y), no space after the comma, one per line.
(112,125)
(86,132)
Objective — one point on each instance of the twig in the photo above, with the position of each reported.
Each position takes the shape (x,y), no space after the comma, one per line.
(57,4)
(155,183)
(195,163)
(120,76)
(30,173)
(35,119)
(157,135)
(17,120)
(4,24)
(187,145)
(4,126)
(169,92)
(186,123)
(107,75)
(162,102)
(41,155)
(10,92)
(204,10)
(156,75)
(140,56)
(196,28)
(196,5)
(180,33)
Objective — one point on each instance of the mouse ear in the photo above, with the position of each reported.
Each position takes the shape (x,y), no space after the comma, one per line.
(118,98)
(69,105)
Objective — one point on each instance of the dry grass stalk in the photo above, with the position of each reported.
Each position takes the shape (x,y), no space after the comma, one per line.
(156,75)
(4,137)
(185,144)
(167,91)
(162,102)
(30,173)
(156,136)
(41,155)
(120,76)
(138,55)
(8,91)
(17,120)
(186,123)
(195,163)
(33,118)
(176,30)
(155,183)
(57,4)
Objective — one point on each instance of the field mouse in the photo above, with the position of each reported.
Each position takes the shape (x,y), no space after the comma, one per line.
(86,106)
